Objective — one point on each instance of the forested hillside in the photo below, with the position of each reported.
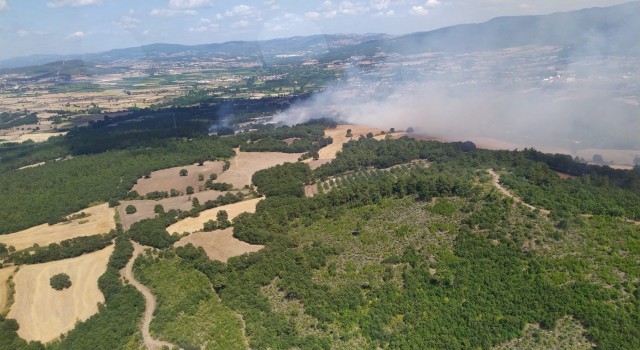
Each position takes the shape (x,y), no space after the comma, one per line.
(394,254)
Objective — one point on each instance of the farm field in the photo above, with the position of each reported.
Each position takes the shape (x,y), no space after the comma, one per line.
(245,164)
(44,313)
(100,219)
(339,135)
(167,179)
(145,207)
(195,224)
(219,244)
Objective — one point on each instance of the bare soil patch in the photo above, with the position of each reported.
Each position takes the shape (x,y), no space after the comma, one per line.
(166,179)
(100,220)
(565,176)
(245,164)
(195,224)
(5,273)
(219,244)
(145,207)
(43,312)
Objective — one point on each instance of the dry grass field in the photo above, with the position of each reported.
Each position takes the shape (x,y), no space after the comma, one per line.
(339,135)
(245,164)
(5,273)
(145,207)
(166,179)
(44,313)
(219,244)
(195,224)
(100,220)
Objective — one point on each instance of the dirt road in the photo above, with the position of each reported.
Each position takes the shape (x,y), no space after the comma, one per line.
(506,192)
(150,300)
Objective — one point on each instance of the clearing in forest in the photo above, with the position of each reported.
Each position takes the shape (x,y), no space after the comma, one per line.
(98,219)
(44,313)
(5,273)
(196,224)
(339,136)
(219,244)
(245,164)
(166,179)
(145,208)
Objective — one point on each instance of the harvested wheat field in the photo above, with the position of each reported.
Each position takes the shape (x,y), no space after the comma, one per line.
(245,164)
(219,244)
(43,312)
(195,224)
(166,179)
(145,207)
(339,136)
(5,273)
(100,220)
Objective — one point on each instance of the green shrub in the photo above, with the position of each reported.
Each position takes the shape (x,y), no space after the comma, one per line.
(60,281)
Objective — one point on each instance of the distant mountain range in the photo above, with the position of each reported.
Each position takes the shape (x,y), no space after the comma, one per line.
(594,31)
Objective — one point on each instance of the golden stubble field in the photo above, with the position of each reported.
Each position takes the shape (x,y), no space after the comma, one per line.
(100,220)
(166,179)
(339,136)
(195,224)
(145,208)
(44,313)
(219,244)
(245,164)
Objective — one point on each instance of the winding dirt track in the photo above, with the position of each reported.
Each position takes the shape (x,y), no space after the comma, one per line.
(150,300)
(506,192)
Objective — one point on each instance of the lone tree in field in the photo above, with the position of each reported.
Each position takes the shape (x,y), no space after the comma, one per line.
(226,166)
(410,130)
(189,189)
(130,209)
(184,172)
(349,134)
(60,281)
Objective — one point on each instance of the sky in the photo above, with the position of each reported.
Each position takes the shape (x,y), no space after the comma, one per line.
(30,27)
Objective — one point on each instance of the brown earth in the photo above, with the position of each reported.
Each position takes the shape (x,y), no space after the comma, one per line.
(100,220)
(43,312)
(219,244)
(150,302)
(245,164)
(195,224)
(166,179)
(145,207)
(5,273)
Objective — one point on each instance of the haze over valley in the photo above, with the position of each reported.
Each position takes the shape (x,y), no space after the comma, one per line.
(445,181)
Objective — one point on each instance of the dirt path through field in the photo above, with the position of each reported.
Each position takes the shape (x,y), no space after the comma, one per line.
(506,192)
(150,301)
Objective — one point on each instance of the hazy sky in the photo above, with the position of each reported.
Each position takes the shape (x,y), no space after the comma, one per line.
(81,26)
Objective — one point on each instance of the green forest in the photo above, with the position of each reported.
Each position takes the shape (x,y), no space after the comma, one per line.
(407,245)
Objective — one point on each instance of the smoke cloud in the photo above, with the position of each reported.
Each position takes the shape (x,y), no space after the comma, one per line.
(529,97)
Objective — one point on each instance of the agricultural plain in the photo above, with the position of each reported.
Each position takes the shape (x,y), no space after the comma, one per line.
(44,313)
(98,219)
(195,224)
(219,244)
(245,164)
